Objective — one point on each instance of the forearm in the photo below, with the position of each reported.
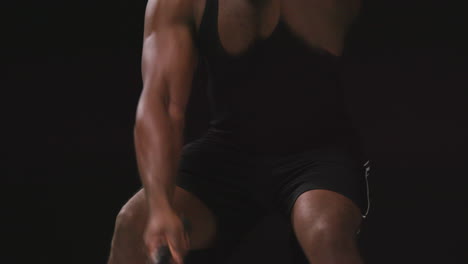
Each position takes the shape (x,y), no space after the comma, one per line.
(158,143)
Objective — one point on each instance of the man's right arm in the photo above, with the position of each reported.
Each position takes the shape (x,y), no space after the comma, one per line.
(168,63)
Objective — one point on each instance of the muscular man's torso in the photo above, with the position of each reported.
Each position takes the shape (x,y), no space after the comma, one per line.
(320,23)
(274,70)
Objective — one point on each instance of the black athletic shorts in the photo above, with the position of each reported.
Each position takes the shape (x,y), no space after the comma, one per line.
(240,187)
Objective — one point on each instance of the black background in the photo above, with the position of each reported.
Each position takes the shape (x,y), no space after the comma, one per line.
(70,92)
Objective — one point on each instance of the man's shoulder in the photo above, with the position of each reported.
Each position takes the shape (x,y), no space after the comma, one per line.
(183,10)
(188,12)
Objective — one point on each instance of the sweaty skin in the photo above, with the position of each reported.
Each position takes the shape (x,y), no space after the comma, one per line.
(168,64)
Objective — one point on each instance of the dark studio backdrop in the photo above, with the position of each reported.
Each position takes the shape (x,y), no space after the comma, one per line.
(73,80)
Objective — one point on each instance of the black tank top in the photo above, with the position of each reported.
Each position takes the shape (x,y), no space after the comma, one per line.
(280,96)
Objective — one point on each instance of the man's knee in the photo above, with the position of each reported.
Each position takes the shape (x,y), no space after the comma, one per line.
(327,214)
(328,229)
(129,221)
(124,219)
(132,215)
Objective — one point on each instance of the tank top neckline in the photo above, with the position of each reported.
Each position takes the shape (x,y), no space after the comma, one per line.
(209,29)
(257,43)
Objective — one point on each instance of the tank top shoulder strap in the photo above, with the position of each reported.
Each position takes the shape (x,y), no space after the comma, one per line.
(207,33)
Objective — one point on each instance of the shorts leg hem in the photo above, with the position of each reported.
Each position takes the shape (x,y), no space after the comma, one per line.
(309,187)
